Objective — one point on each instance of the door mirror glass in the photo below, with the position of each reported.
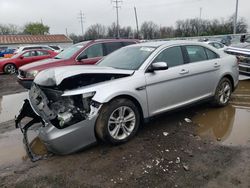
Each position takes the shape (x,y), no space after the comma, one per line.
(157,66)
(82,57)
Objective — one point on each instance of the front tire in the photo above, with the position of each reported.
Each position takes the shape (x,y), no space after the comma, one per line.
(118,121)
(223,92)
(9,69)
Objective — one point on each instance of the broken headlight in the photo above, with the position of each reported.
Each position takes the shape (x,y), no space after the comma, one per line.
(89,94)
(32,74)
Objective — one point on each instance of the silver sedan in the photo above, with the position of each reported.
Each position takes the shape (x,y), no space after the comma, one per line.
(79,105)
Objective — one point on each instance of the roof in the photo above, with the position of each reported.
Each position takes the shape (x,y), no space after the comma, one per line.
(156,44)
(33,39)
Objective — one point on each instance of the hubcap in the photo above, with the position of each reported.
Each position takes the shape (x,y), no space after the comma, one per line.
(10,69)
(224,92)
(121,122)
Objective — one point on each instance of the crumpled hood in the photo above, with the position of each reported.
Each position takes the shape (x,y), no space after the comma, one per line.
(54,76)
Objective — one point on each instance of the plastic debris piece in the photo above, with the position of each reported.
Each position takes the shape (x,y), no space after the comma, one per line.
(188,120)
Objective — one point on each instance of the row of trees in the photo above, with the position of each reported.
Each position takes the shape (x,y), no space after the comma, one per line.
(148,30)
(29,29)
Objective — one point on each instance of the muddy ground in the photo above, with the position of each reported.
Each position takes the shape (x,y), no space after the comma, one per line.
(199,146)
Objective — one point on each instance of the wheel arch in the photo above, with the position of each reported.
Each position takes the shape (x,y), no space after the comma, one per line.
(9,63)
(134,100)
(228,76)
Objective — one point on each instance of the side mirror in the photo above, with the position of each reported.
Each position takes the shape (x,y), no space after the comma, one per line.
(157,66)
(21,57)
(81,57)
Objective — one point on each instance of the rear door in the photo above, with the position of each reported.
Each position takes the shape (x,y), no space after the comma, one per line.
(41,54)
(204,66)
(110,47)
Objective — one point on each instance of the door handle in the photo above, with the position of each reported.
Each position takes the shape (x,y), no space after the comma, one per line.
(184,71)
(216,65)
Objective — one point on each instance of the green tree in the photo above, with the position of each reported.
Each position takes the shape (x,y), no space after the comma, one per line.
(36,29)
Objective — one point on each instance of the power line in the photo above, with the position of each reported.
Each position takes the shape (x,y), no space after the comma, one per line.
(117,7)
(81,18)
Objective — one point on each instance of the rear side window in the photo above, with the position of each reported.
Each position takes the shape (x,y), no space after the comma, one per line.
(196,53)
(172,56)
(95,50)
(29,54)
(112,46)
(211,54)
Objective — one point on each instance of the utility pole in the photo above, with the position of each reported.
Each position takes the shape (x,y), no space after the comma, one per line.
(199,22)
(81,17)
(66,30)
(137,25)
(117,6)
(235,16)
(200,12)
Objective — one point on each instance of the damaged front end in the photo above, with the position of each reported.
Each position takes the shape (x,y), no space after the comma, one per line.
(67,121)
(62,99)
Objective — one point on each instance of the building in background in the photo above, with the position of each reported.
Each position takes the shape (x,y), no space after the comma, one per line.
(14,41)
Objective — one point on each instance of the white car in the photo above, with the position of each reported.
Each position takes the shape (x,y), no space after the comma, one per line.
(32,47)
(217,45)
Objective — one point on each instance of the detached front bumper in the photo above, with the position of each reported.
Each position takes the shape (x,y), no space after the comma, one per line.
(70,139)
(59,141)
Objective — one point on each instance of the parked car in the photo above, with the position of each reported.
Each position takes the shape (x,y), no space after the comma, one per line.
(6,51)
(79,105)
(35,47)
(217,45)
(84,53)
(10,65)
(56,48)
(242,52)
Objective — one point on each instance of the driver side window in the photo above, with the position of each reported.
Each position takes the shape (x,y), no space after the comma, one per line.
(172,56)
(95,50)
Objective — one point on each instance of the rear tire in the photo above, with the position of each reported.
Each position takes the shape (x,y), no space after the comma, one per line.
(118,121)
(223,92)
(9,69)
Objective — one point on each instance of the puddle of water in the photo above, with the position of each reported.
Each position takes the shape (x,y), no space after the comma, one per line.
(10,105)
(12,149)
(229,125)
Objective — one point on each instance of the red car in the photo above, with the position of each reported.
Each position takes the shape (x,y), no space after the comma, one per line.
(10,65)
(84,53)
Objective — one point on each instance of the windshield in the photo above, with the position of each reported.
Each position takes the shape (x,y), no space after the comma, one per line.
(17,55)
(69,52)
(129,58)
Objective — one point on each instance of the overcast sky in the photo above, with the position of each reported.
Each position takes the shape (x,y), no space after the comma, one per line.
(62,14)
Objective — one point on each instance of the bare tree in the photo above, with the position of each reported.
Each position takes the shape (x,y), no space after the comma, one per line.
(9,29)
(96,31)
(150,30)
